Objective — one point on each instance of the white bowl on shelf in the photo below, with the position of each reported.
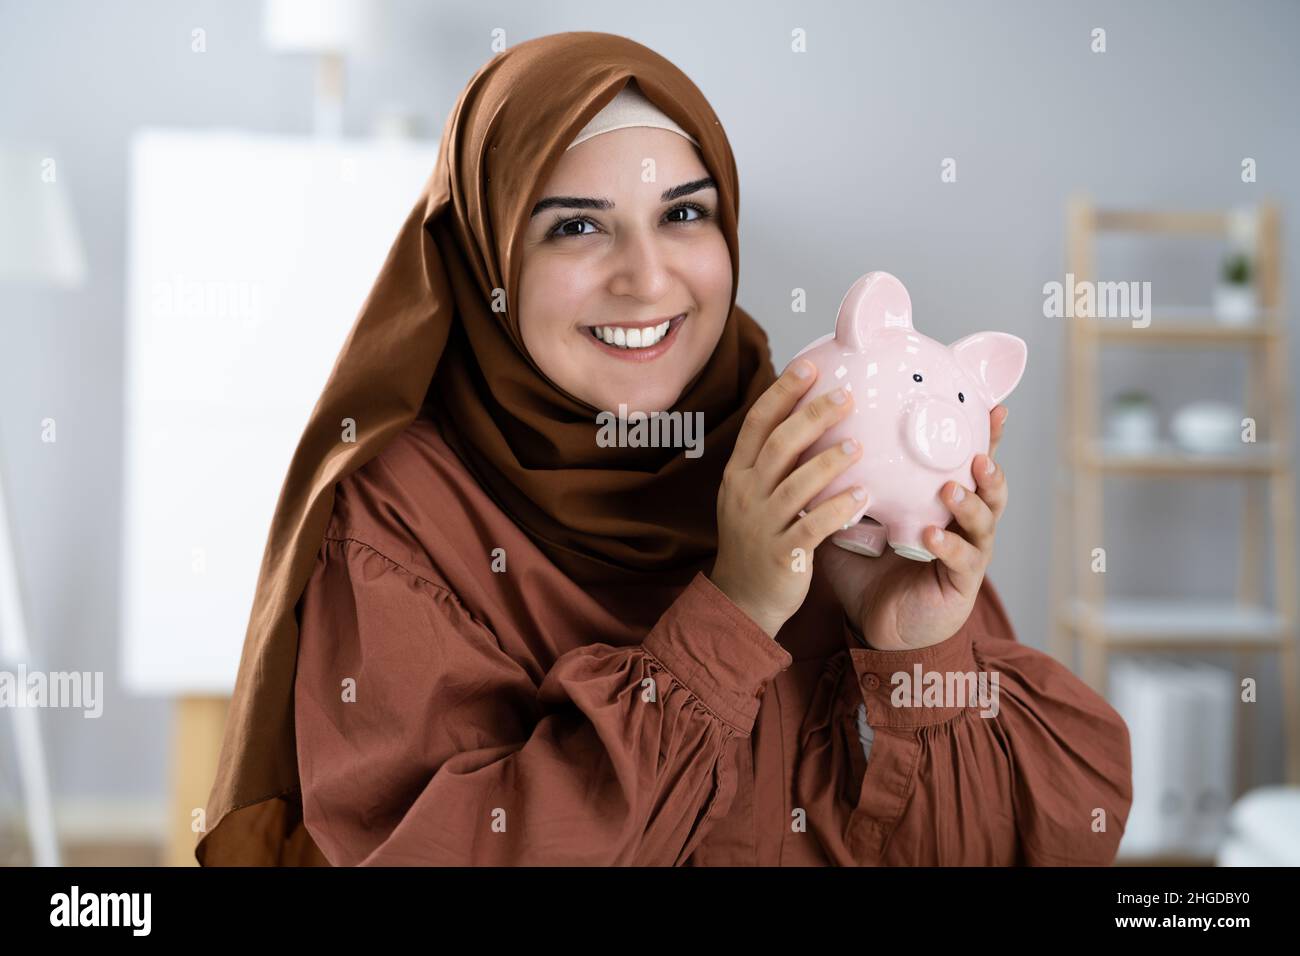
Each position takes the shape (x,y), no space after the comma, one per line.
(1207,428)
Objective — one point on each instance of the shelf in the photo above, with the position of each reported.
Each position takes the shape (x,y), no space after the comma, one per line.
(1257,354)
(1177,622)
(1169,459)
(1190,328)
(1169,222)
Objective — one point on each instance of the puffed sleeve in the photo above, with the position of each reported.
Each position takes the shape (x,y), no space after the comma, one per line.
(982,752)
(422,742)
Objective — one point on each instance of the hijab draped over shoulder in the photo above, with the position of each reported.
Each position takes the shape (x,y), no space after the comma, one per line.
(439,335)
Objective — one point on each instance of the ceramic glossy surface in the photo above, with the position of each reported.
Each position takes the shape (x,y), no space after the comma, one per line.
(921,411)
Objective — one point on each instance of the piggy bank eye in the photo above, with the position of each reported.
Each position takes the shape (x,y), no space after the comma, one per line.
(961,397)
(916,376)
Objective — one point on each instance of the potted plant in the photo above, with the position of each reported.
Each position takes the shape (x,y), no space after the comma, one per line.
(1133,426)
(1234,296)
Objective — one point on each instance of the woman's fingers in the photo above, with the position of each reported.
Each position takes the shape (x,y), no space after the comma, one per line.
(962,559)
(997,419)
(974,517)
(817,525)
(807,481)
(976,514)
(972,514)
(792,437)
(991,482)
(769,410)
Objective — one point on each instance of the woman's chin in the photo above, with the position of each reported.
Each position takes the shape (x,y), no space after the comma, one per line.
(637,402)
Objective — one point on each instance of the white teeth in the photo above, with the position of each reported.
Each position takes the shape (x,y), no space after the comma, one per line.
(631,338)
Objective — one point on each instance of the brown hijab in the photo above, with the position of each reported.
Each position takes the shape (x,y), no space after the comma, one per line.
(428,340)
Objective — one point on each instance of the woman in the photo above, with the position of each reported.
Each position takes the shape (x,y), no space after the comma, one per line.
(484,636)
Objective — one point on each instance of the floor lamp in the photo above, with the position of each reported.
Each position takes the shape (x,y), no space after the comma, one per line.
(38,243)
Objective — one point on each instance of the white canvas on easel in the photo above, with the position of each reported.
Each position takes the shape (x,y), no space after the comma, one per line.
(249,257)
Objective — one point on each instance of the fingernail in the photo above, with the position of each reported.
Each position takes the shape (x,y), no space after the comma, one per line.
(938,535)
(849,446)
(803,369)
(859,492)
(989,466)
(958,492)
(838,396)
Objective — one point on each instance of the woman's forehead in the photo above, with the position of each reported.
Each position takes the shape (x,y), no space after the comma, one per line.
(626,159)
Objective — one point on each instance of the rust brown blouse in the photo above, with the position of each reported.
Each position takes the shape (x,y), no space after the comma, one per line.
(460,701)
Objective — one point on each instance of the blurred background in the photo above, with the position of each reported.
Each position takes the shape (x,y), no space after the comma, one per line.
(196,196)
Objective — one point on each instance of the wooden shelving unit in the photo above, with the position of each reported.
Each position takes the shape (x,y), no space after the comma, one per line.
(1084,620)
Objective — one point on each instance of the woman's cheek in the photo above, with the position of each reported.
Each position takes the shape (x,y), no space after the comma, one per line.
(710,279)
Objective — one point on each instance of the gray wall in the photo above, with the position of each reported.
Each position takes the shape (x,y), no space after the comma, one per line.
(839,151)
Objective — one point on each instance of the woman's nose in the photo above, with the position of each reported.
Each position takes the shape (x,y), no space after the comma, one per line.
(640,268)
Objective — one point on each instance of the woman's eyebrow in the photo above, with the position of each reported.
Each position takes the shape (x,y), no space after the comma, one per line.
(581,202)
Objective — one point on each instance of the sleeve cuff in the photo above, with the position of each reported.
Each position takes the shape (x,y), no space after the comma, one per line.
(717,651)
(922,686)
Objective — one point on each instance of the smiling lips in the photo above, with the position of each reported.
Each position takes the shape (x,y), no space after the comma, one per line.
(639,342)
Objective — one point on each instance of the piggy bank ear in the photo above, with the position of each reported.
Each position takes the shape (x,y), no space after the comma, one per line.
(876,301)
(996,360)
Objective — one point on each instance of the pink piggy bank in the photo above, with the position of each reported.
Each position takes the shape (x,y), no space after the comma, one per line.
(921,412)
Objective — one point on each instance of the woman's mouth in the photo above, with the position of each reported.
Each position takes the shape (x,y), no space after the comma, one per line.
(635,342)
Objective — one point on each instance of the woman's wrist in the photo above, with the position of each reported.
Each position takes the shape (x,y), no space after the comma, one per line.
(769,624)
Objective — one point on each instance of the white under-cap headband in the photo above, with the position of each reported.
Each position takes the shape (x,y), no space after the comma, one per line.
(628,108)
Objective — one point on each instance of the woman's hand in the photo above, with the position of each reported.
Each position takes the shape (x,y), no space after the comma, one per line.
(896,603)
(765,549)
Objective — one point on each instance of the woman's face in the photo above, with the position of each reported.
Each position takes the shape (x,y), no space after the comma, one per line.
(625,240)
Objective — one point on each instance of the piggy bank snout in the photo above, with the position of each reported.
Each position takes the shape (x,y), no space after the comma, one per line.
(937,435)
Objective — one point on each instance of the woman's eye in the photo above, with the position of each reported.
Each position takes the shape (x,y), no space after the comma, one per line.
(572,228)
(700,211)
(561,228)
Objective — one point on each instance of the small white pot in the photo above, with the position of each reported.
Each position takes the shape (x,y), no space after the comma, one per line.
(1235,304)
(1133,429)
